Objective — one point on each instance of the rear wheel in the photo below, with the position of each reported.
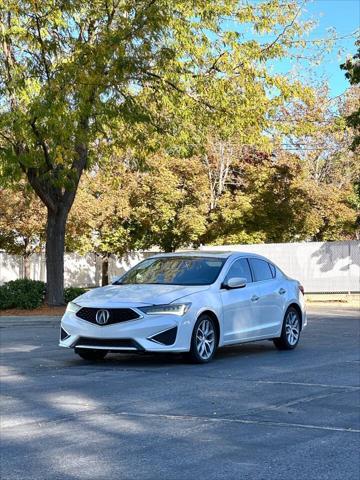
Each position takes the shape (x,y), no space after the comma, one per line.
(290,333)
(204,340)
(91,354)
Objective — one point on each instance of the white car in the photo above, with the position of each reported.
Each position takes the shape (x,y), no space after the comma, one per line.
(189,302)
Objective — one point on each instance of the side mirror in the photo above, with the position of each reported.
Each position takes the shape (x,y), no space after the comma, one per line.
(115,279)
(235,282)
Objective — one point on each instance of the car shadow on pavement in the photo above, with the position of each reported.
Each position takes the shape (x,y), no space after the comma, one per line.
(163,360)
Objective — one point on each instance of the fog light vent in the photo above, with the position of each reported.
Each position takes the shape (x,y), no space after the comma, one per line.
(167,337)
(63,334)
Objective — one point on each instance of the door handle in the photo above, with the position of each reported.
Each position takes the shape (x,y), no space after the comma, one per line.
(254,298)
(282,291)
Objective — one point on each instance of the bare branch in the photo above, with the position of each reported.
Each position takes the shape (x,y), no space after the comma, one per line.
(42,48)
(9,59)
(180,90)
(281,34)
(42,143)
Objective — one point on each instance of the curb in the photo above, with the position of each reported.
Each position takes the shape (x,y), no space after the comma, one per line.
(7,321)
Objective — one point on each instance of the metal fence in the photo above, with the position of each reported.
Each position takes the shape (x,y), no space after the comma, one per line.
(322,267)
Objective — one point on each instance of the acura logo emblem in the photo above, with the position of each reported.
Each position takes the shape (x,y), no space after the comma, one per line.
(102,317)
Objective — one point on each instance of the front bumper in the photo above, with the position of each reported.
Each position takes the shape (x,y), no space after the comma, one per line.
(165,333)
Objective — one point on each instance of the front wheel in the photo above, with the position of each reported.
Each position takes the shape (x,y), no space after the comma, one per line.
(91,354)
(204,340)
(290,333)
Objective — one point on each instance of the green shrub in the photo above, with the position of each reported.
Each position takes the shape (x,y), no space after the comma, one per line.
(22,293)
(29,294)
(72,292)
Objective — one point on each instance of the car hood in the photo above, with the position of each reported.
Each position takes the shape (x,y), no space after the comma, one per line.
(113,295)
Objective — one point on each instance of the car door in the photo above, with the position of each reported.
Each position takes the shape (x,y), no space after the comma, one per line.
(238,318)
(268,304)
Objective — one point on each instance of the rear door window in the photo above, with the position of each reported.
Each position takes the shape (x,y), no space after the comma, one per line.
(260,269)
(273,270)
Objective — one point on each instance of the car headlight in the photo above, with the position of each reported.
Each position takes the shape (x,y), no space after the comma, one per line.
(171,309)
(72,307)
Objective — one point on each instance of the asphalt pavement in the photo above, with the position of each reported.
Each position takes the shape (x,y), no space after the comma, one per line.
(253,413)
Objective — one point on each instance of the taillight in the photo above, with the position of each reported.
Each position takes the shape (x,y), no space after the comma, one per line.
(301,288)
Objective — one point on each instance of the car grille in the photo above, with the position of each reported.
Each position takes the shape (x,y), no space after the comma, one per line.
(116,315)
(109,343)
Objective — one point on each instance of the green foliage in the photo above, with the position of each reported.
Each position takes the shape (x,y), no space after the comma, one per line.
(30,294)
(352,68)
(170,203)
(278,200)
(78,71)
(231,193)
(119,210)
(23,293)
(70,293)
(133,91)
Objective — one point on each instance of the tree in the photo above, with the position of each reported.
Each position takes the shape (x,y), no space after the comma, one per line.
(119,209)
(276,199)
(74,72)
(170,203)
(99,220)
(352,67)
(22,223)
(318,134)
(291,206)
(325,141)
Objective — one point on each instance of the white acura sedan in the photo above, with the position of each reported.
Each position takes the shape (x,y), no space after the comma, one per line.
(190,302)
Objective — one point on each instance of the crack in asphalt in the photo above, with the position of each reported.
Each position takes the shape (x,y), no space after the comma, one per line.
(180,417)
(86,373)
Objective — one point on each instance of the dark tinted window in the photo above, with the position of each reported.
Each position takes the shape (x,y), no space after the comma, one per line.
(240,269)
(273,270)
(261,269)
(175,271)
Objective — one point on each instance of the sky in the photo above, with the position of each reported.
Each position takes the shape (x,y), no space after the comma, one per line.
(344,15)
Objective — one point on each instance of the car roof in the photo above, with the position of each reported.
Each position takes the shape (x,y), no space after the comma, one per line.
(195,253)
(210,253)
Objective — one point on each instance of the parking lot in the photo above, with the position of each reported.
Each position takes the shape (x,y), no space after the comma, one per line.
(253,413)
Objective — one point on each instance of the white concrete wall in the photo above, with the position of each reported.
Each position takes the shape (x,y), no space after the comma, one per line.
(320,266)
(82,271)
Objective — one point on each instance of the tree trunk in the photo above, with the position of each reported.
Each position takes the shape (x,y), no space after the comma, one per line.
(105,271)
(26,263)
(169,247)
(55,244)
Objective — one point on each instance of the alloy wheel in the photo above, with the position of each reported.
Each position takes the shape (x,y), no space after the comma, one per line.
(292,327)
(205,339)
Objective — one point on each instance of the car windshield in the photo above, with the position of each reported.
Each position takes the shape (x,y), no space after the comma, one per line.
(174,271)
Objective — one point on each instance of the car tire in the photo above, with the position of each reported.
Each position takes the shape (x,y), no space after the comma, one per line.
(90,354)
(204,340)
(290,332)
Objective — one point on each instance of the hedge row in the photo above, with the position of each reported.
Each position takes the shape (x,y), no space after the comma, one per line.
(28,294)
